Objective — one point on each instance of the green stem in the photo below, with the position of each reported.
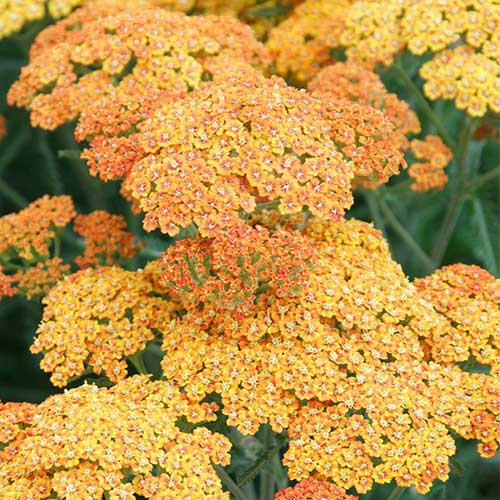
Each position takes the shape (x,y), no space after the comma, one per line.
(12,148)
(489,257)
(457,200)
(138,363)
(12,195)
(405,235)
(267,479)
(376,215)
(229,483)
(483,179)
(50,163)
(424,105)
(69,154)
(397,493)
(149,253)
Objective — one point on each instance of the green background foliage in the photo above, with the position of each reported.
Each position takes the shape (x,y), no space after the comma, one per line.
(30,167)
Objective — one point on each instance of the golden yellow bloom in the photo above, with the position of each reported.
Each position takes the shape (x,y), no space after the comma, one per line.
(313,489)
(342,367)
(3,127)
(91,441)
(28,234)
(429,174)
(356,83)
(233,144)
(472,79)
(468,297)
(92,53)
(106,238)
(301,44)
(95,319)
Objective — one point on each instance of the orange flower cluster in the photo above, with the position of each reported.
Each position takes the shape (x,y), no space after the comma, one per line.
(313,489)
(94,320)
(231,145)
(225,276)
(367,137)
(35,281)
(469,298)
(430,173)
(119,442)
(353,82)
(106,238)
(342,367)
(6,283)
(301,44)
(28,234)
(3,127)
(78,60)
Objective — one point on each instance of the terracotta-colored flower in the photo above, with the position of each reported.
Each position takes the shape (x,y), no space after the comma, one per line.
(120,442)
(85,56)
(106,238)
(429,174)
(6,285)
(3,127)
(356,83)
(234,144)
(313,489)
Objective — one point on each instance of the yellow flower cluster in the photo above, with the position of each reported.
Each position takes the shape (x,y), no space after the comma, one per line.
(469,298)
(231,145)
(29,233)
(92,53)
(301,44)
(94,320)
(313,489)
(429,174)
(119,442)
(343,367)
(106,238)
(3,127)
(353,82)
(472,79)
(374,32)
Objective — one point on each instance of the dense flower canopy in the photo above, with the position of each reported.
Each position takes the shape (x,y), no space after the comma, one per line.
(234,144)
(95,319)
(87,441)
(77,60)
(313,489)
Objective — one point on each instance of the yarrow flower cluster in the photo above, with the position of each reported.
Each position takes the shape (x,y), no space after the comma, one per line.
(95,319)
(313,489)
(168,55)
(232,145)
(106,239)
(429,174)
(120,442)
(3,127)
(469,297)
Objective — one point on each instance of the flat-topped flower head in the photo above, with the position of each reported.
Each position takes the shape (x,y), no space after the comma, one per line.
(106,238)
(223,277)
(78,60)
(28,234)
(233,144)
(356,83)
(313,489)
(469,298)
(118,442)
(429,173)
(95,319)
(342,367)
(301,44)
